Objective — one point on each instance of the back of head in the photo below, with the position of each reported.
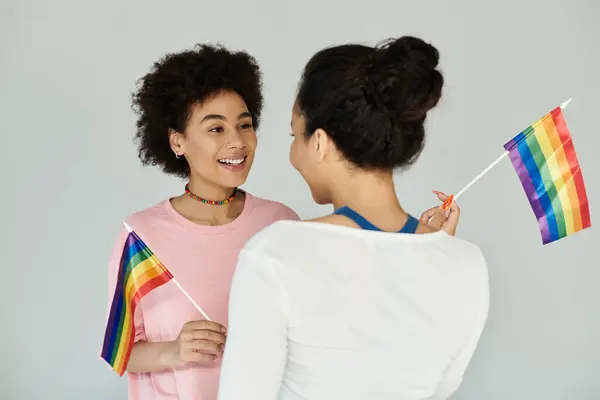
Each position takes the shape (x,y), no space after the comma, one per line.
(372,101)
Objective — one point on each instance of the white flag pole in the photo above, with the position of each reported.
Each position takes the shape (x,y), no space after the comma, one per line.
(186,294)
(489,167)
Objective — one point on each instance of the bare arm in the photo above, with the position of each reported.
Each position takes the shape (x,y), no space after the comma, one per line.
(152,357)
(199,341)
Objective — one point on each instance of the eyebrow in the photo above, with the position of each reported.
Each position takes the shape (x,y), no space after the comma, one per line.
(222,117)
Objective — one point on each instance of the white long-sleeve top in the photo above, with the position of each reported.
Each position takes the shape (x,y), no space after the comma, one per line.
(320,311)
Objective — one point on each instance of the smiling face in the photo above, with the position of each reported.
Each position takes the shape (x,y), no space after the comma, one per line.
(219,141)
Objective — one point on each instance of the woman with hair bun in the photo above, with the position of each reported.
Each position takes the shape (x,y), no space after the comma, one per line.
(368,302)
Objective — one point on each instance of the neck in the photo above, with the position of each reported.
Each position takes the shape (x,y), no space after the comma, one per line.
(367,192)
(211,214)
(208,191)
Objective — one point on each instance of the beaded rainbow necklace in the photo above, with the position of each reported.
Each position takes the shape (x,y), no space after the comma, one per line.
(212,202)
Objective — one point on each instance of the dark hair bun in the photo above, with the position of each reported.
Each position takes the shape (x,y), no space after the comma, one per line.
(402,75)
(372,101)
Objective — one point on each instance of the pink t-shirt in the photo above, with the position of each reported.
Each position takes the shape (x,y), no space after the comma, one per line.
(202,259)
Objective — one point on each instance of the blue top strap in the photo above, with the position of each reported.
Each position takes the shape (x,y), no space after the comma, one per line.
(356,217)
(410,226)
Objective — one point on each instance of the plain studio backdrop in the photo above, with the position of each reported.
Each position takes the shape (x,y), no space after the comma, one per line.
(70,171)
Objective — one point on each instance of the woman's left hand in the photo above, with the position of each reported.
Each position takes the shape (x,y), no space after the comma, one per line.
(442,220)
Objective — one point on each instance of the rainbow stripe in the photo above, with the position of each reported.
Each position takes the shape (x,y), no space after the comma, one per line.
(140,272)
(544,158)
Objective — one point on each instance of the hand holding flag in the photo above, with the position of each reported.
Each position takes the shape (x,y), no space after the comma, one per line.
(140,272)
(544,158)
(444,217)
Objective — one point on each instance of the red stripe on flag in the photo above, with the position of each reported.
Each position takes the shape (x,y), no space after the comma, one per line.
(565,137)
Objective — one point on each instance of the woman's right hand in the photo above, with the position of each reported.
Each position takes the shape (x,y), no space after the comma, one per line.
(439,219)
(198,341)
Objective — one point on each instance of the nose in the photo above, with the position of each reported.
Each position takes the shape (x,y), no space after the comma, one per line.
(235,139)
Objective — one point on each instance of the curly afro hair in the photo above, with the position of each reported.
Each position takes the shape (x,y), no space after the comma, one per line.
(372,102)
(165,95)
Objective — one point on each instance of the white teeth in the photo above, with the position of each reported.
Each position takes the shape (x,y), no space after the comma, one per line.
(232,161)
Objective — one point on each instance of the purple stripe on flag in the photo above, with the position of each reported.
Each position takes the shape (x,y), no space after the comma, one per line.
(530,191)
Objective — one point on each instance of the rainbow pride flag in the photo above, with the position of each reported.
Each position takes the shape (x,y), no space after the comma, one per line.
(545,161)
(140,272)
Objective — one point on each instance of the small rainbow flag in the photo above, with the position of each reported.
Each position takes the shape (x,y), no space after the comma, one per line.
(545,161)
(140,272)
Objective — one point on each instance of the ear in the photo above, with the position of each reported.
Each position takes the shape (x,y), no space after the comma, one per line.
(322,143)
(176,141)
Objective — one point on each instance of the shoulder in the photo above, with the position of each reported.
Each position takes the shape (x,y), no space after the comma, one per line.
(284,242)
(153,218)
(141,221)
(275,239)
(461,248)
(465,257)
(155,212)
(267,253)
(271,209)
(465,247)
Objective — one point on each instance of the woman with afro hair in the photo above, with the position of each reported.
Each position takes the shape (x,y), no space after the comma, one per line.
(198,112)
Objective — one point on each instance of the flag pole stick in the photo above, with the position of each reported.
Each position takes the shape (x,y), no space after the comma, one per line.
(176,282)
(451,199)
(481,174)
(190,299)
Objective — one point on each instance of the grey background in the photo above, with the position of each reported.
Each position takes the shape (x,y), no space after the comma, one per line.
(70,173)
